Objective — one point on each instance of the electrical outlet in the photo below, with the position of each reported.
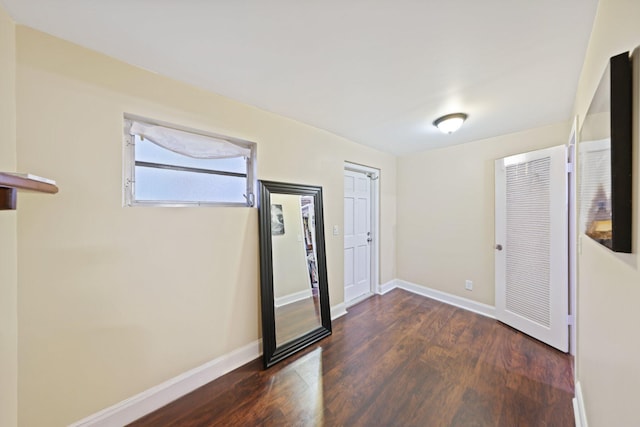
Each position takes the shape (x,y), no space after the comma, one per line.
(468,285)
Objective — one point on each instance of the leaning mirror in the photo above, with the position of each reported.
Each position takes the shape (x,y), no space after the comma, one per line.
(293,271)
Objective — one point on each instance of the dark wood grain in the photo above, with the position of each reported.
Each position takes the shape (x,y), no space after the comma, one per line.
(10,183)
(393,360)
(8,180)
(8,198)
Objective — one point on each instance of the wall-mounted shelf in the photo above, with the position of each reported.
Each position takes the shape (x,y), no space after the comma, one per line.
(11,183)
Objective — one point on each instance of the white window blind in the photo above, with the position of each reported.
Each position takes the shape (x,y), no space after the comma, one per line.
(188,143)
(165,165)
(528,245)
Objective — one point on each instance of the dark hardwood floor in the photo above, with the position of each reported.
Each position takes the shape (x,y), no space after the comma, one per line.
(393,360)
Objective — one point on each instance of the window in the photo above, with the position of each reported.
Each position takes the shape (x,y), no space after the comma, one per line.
(166,165)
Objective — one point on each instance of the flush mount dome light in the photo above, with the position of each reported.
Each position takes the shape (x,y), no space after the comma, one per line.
(450,123)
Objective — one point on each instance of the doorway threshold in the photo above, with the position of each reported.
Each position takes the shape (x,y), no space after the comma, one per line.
(356,300)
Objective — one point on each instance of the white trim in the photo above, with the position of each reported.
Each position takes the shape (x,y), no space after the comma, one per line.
(573,232)
(338,310)
(386,287)
(128,162)
(143,403)
(131,409)
(467,304)
(579,411)
(374,174)
(296,296)
(356,300)
(137,406)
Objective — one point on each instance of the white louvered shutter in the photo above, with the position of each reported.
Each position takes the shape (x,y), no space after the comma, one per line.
(531,244)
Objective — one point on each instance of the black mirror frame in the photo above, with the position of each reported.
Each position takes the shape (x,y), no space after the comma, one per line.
(273,354)
(620,104)
(621,152)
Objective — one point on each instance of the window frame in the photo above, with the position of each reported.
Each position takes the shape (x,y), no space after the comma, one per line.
(129,165)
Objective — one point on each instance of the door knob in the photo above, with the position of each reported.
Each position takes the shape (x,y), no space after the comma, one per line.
(499,247)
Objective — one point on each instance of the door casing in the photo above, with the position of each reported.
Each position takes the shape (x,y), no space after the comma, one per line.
(374,175)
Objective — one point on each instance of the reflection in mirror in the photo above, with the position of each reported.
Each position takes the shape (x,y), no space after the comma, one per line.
(595,166)
(295,300)
(295,284)
(605,159)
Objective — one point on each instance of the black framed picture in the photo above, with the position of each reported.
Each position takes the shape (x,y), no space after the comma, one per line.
(277,220)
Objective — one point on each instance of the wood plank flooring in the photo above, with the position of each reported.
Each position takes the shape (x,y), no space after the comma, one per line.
(393,360)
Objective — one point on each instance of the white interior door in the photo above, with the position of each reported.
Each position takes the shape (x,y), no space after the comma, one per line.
(357,235)
(531,255)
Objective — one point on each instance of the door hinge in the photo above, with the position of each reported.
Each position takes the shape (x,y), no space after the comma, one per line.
(569,167)
(570,319)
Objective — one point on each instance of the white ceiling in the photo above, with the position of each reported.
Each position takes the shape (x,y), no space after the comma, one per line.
(377,72)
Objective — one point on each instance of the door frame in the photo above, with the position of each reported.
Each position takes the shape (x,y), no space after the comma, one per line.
(374,176)
(573,237)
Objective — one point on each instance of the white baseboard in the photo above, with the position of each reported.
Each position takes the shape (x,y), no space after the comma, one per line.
(338,310)
(156,397)
(386,287)
(358,300)
(467,304)
(296,296)
(578,408)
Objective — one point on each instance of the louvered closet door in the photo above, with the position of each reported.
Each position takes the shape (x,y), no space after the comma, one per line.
(531,254)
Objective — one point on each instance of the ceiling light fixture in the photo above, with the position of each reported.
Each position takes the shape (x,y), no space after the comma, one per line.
(450,123)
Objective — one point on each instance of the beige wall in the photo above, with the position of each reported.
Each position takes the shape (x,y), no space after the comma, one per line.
(8,245)
(290,270)
(609,283)
(115,300)
(446,211)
